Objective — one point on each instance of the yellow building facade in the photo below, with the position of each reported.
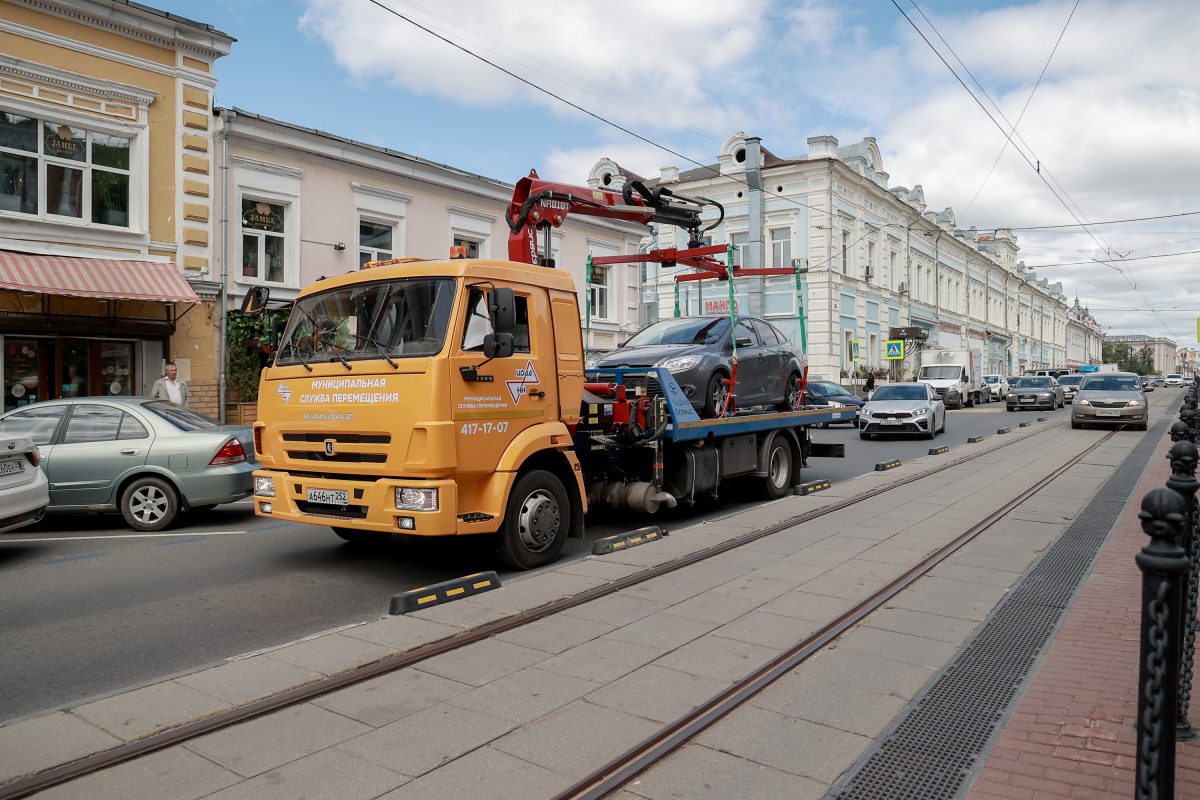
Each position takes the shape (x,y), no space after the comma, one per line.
(107,218)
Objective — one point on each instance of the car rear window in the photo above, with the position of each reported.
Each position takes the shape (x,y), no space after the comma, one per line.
(183,418)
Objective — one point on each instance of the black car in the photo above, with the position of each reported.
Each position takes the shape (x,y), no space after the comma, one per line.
(823,393)
(698,352)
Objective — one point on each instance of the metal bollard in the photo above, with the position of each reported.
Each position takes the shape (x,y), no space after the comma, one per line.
(1183,456)
(1163,563)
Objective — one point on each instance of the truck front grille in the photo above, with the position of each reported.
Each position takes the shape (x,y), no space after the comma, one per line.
(332,512)
(339,458)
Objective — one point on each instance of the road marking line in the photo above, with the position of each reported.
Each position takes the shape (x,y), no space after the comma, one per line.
(5,540)
(75,558)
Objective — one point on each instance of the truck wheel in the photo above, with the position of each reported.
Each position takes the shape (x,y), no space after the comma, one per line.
(363,538)
(714,396)
(780,459)
(536,521)
(790,393)
(149,504)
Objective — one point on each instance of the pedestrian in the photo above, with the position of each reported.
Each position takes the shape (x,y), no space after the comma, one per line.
(170,388)
(869,386)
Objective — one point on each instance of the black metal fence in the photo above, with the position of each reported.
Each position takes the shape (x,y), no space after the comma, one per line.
(1170,565)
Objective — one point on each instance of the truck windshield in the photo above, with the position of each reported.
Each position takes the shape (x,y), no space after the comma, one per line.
(948,372)
(403,318)
(697,330)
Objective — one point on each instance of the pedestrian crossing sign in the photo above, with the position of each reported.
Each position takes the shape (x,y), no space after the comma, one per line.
(894,349)
(855,353)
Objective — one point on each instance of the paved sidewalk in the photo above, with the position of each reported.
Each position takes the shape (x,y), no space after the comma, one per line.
(1073,735)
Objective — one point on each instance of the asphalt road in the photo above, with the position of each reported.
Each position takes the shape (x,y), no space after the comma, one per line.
(88,608)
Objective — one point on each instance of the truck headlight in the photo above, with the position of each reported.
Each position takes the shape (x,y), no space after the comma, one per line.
(263,486)
(410,499)
(680,363)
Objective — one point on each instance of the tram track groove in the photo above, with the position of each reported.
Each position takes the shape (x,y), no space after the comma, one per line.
(129,751)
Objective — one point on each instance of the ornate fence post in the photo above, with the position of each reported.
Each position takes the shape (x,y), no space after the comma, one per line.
(1162,562)
(1183,457)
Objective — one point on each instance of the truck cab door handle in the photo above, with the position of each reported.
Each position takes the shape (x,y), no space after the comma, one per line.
(129,451)
(537,393)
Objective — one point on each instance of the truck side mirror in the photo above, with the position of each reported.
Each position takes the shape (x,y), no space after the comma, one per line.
(498,345)
(255,301)
(502,307)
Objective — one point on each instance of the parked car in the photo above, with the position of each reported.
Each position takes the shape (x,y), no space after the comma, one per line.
(23,492)
(1160,381)
(828,393)
(1174,379)
(1113,398)
(698,352)
(997,385)
(1070,384)
(146,458)
(1035,391)
(1147,384)
(903,408)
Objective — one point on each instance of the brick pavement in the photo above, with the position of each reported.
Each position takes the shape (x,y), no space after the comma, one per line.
(1073,735)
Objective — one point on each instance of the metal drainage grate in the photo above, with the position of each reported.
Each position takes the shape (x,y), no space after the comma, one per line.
(931,751)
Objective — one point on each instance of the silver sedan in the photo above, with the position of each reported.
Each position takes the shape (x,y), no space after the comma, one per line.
(148,459)
(903,408)
(1111,398)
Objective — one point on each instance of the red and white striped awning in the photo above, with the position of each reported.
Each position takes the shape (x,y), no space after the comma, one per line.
(94,277)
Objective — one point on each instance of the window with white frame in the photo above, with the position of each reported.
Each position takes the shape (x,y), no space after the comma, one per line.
(51,169)
(889,280)
(264,242)
(845,252)
(598,291)
(779,296)
(375,240)
(872,266)
(781,247)
(469,245)
(741,245)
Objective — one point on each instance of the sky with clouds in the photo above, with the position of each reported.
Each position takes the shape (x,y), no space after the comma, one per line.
(1112,131)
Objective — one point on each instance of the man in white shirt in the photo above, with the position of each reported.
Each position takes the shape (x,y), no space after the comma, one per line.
(170,388)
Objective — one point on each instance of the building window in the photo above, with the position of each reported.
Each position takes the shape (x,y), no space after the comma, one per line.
(889,280)
(781,247)
(741,244)
(871,265)
(470,246)
(374,241)
(598,290)
(845,252)
(263,242)
(51,169)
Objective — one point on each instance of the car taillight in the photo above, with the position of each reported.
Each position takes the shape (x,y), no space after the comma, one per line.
(230,453)
(34,456)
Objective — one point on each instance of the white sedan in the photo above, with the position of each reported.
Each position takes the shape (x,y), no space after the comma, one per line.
(903,408)
(24,492)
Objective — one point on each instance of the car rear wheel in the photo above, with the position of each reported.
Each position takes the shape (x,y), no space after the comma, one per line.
(791,393)
(149,504)
(536,521)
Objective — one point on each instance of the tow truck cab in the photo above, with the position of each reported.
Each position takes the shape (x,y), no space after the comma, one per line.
(384,413)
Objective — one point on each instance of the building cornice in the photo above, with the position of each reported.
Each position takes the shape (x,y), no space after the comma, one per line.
(75,82)
(266,166)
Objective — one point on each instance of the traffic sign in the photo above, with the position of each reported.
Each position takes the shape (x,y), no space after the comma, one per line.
(894,349)
(854,351)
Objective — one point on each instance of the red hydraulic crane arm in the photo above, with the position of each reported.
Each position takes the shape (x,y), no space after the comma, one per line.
(539,205)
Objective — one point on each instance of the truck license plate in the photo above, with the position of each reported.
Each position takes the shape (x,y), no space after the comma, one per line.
(1107,412)
(329,497)
(11,466)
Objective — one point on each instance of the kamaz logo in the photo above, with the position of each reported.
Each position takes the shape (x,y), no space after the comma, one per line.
(329,447)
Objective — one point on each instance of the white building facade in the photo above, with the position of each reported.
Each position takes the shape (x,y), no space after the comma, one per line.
(1085,337)
(1164,350)
(873,258)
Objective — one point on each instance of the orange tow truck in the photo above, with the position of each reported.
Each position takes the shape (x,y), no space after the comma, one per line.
(450,397)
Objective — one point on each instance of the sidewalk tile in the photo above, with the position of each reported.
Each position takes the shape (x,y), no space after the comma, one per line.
(602,660)
(332,774)
(931,626)
(616,609)
(701,773)
(383,700)
(786,743)
(141,712)
(425,740)
(402,632)
(713,607)
(653,692)
(768,630)
(917,598)
(667,589)
(802,604)
(903,647)
(41,742)
(555,634)
(250,679)
(842,706)
(577,739)
(481,662)
(603,568)
(718,658)
(175,773)
(525,695)
(267,742)
(662,630)
(332,653)
(485,772)
(875,674)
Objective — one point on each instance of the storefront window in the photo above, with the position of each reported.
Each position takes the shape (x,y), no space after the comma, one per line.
(74,370)
(85,174)
(263,241)
(21,372)
(116,368)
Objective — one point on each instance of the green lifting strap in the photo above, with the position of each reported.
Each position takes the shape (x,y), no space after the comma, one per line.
(676,299)
(800,311)
(732,306)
